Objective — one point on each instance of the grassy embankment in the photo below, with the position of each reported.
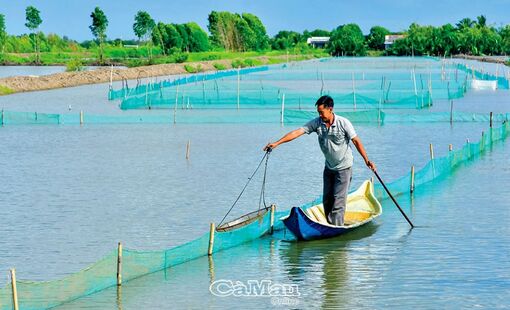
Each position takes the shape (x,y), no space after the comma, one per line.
(135,57)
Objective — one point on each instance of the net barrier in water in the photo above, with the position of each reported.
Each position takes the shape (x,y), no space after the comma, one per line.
(141,89)
(103,274)
(503,81)
(368,85)
(226,116)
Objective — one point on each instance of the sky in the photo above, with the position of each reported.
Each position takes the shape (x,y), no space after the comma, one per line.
(72,17)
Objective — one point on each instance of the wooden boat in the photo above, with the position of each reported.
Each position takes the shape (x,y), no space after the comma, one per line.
(362,207)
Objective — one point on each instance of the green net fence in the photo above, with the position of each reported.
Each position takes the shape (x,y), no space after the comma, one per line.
(224,116)
(503,81)
(103,274)
(358,85)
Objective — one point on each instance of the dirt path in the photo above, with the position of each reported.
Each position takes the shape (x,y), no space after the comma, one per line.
(102,75)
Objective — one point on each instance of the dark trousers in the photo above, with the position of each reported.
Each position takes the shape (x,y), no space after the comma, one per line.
(336,187)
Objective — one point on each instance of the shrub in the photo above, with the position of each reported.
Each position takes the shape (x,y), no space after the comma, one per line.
(74,65)
(192,69)
(219,66)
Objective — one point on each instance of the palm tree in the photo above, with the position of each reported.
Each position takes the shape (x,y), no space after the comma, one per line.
(465,23)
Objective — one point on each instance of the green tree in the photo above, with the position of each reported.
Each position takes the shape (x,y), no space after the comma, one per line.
(198,39)
(183,34)
(376,36)
(465,23)
(505,39)
(98,28)
(481,21)
(285,40)
(157,37)
(3,34)
(347,40)
(244,37)
(261,38)
(143,27)
(33,19)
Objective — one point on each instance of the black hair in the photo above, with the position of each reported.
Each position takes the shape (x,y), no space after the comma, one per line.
(325,100)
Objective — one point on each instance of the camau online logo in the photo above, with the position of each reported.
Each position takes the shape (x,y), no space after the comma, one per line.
(253,288)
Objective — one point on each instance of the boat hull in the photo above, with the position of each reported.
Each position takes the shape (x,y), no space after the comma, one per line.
(309,224)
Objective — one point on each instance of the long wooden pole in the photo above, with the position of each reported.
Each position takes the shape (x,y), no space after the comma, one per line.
(431,147)
(211,240)
(412,178)
(273,207)
(283,109)
(119,264)
(187,149)
(14,289)
(451,112)
(392,198)
(238,89)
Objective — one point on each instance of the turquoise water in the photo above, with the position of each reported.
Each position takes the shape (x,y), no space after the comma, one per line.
(71,193)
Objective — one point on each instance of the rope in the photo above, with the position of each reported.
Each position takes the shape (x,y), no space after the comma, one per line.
(266,156)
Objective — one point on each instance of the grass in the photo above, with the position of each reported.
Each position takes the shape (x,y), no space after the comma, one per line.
(4,90)
(135,57)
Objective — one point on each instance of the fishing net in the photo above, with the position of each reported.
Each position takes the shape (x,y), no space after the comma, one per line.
(354,83)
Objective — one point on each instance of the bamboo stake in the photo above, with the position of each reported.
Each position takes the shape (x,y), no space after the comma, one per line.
(176,102)
(491,120)
(273,207)
(81,117)
(354,91)
(187,149)
(451,112)
(2,117)
(283,109)
(119,264)
(431,151)
(238,88)
(450,147)
(14,289)
(111,77)
(412,178)
(211,240)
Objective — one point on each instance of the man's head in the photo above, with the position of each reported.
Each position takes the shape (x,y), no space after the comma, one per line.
(325,108)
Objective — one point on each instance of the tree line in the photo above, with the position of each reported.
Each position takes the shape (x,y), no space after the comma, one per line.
(246,32)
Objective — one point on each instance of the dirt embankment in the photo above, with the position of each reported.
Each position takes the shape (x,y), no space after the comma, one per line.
(493,59)
(101,75)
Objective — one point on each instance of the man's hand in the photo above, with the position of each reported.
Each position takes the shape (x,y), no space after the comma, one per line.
(269,147)
(371,165)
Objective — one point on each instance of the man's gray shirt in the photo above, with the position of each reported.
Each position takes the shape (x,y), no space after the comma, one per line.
(334,142)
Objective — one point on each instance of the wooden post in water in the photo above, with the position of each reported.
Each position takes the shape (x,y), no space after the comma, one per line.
(111,77)
(119,264)
(283,109)
(431,151)
(273,207)
(238,88)
(451,112)
(176,101)
(412,179)
(81,117)
(211,240)
(450,147)
(2,117)
(14,289)
(491,120)
(187,149)
(354,91)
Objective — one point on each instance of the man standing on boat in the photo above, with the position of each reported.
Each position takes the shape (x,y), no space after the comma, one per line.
(334,133)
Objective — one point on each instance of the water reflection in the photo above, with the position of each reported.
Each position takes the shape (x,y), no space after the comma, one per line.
(326,261)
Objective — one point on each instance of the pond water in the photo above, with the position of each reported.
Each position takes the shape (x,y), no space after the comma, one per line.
(70,193)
